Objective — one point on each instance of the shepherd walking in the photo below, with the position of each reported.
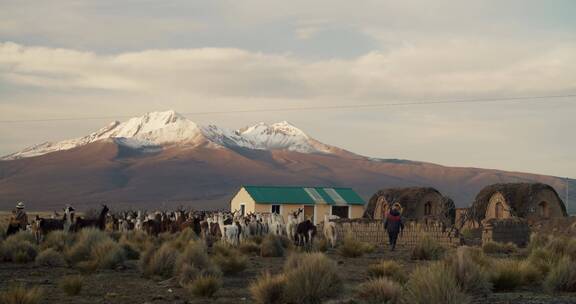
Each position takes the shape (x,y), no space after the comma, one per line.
(394,225)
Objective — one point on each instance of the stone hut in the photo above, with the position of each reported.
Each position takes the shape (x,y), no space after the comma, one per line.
(530,201)
(417,203)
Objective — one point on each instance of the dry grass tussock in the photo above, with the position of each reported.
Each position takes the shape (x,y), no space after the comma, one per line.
(427,249)
(19,248)
(19,294)
(51,258)
(58,240)
(268,289)
(352,248)
(499,248)
(158,262)
(311,278)
(562,277)
(249,247)
(71,285)
(388,269)
(193,263)
(94,249)
(506,275)
(272,246)
(472,276)
(434,284)
(229,259)
(380,290)
(204,286)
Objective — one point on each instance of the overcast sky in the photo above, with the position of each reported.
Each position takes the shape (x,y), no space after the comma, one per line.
(74,58)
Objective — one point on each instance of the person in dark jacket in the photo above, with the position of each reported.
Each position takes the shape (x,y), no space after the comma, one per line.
(394,225)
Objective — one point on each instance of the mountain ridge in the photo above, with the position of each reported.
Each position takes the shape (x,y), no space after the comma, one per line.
(162,159)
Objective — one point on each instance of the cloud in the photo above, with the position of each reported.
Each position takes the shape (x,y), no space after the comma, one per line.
(454,68)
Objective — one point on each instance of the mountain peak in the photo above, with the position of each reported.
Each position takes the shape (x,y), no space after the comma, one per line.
(169,128)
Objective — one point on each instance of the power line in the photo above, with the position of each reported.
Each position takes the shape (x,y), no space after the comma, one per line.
(517,99)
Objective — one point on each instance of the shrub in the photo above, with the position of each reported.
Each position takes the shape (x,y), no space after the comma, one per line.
(3,229)
(388,269)
(562,246)
(86,240)
(271,246)
(256,239)
(138,240)
(58,240)
(194,262)
(352,248)
(562,278)
(230,260)
(537,240)
(380,290)
(427,249)
(471,276)
(19,294)
(184,237)
(321,245)
(72,285)
(159,262)
(434,284)
(530,273)
(506,275)
(205,286)
(311,278)
(499,248)
(268,289)
(107,255)
(543,260)
(51,258)
(130,252)
(18,248)
(249,247)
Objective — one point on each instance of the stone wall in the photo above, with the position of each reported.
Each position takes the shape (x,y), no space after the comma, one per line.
(515,231)
(372,231)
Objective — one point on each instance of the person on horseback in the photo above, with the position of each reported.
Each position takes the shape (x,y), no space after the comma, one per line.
(394,225)
(18,220)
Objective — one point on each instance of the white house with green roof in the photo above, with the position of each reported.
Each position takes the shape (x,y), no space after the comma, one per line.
(316,201)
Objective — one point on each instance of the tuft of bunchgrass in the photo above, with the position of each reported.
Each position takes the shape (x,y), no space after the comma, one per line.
(472,276)
(158,262)
(388,269)
(268,289)
(506,275)
(194,262)
(379,290)
(204,286)
(427,249)
(434,284)
(229,259)
(19,294)
(499,248)
(86,241)
(562,277)
(107,255)
(58,240)
(71,285)
(19,248)
(311,278)
(271,246)
(51,258)
(352,248)
(249,247)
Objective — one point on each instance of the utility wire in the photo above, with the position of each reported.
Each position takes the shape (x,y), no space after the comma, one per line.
(517,99)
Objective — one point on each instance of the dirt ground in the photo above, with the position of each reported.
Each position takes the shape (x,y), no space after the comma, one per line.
(128,286)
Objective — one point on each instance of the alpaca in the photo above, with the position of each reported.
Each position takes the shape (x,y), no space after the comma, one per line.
(293,220)
(230,232)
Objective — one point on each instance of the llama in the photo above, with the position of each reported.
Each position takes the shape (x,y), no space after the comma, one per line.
(230,232)
(305,232)
(294,219)
(99,223)
(330,229)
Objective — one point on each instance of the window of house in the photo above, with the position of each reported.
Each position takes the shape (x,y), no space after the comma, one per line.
(243,209)
(340,211)
(428,208)
(544,210)
(499,212)
(276,209)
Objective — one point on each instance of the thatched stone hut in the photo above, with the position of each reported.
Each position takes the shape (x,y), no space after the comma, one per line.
(531,201)
(417,203)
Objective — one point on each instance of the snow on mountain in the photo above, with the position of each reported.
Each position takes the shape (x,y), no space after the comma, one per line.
(168,128)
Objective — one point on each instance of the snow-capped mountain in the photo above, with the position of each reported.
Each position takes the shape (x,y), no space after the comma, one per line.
(170,128)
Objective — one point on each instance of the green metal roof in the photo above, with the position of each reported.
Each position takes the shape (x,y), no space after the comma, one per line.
(303,195)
